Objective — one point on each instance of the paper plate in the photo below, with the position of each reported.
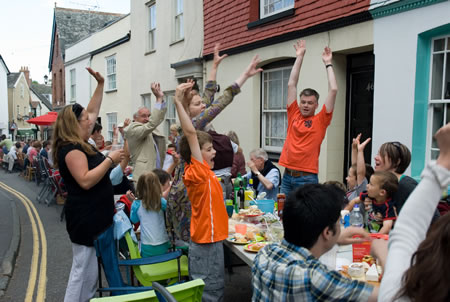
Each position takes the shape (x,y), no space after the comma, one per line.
(247,247)
(233,241)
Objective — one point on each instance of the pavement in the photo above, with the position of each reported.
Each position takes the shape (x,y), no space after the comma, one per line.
(9,238)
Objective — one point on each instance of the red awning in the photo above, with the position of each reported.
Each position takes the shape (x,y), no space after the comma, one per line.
(44,120)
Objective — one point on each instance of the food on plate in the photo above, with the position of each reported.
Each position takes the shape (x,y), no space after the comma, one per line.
(368,259)
(239,238)
(252,210)
(372,273)
(256,246)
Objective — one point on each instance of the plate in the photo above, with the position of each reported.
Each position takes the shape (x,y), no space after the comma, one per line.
(252,215)
(247,247)
(233,241)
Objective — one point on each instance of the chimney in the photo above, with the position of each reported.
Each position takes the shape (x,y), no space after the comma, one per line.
(26,72)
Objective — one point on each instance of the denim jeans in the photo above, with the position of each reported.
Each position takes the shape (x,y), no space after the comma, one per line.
(291,183)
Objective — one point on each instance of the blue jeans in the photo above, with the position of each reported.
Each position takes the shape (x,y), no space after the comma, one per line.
(291,183)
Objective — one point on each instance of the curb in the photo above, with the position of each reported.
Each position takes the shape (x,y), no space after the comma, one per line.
(9,260)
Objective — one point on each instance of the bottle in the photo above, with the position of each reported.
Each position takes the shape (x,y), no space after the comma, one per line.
(249,193)
(356,218)
(281,197)
(236,183)
(241,196)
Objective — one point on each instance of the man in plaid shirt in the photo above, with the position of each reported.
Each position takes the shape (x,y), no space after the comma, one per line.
(290,270)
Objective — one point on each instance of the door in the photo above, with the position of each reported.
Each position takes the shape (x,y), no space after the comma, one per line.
(359,108)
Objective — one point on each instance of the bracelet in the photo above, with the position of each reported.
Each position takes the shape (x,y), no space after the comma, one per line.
(109,157)
(328,65)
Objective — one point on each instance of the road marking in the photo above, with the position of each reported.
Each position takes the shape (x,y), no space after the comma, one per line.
(30,208)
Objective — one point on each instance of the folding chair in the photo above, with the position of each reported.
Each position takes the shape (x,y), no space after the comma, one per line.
(48,187)
(191,291)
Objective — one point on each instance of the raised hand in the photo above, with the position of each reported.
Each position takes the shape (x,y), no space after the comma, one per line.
(217,57)
(443,139)
(182,93)
(251,69)
(327,55)
(362,145)
(355,142)
(300,48)
(126,122)
(156,89)
(96,75)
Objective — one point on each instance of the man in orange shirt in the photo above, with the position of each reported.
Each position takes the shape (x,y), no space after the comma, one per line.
(209,220)
(306,131)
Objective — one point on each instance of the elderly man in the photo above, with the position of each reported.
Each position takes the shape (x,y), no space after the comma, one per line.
(266,176)
(146,145)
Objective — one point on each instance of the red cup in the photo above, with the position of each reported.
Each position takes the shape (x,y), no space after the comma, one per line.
(241,228)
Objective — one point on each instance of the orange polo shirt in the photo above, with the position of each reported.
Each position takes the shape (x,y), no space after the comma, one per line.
(301,149)
(209,219)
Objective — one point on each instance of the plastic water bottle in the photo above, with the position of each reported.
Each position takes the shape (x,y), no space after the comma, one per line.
(356,218)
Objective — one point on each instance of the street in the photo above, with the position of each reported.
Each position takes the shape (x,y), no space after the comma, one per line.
(34,278)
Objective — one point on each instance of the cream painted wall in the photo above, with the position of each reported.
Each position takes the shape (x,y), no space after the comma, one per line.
(148,67)
(243,115)
(16,98)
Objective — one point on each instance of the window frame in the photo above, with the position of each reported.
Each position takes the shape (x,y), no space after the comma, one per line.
(271,148)
(146,102)
(262,15)
(151,31)
(178,21)
(73,85)
(171,114)
(433,102)
(110,124)
(111,73)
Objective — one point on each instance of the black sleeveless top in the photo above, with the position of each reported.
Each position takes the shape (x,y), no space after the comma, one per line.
(88,212)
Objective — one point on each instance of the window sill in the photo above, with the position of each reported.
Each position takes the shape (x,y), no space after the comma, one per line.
(111,90)
(276,17)
(149,52)
(176,42)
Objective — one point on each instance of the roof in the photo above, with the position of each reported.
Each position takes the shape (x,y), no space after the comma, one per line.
(73,24)
(12,79)
(39,92)
(4,63)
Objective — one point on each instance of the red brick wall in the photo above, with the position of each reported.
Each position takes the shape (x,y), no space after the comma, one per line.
(226,21)
(58,86)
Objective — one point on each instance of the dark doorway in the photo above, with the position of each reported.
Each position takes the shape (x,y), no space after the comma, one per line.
(359,107)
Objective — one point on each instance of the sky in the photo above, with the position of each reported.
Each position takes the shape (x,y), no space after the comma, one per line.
(26,30)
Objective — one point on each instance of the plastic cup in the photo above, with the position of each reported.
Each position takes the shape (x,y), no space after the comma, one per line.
(241,228)
(116,147)
(230,210)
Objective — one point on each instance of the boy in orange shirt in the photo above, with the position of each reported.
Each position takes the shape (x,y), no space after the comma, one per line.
(209,221)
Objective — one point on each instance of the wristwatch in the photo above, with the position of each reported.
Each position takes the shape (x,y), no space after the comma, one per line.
(257,173)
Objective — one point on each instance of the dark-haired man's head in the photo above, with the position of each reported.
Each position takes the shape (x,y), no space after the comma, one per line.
(311,216)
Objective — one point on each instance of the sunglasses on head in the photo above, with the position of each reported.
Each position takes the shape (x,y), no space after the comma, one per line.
(397,145)
(77,109)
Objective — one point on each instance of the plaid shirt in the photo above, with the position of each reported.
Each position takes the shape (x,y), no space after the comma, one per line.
(286,272)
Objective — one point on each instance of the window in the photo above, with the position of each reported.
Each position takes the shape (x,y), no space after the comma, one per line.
(171,115)
(178,26)
(73,86)
(18,111)
(145,102)
(274,102)
(111,72)
(22,90)
(272,7)
(112,121)
(151,26)
(439,98)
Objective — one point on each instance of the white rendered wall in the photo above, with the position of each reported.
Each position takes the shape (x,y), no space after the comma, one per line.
(3,99)
(395,49)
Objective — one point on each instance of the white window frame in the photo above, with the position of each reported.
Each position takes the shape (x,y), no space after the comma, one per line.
(444,98)
(171,115)
(146,100)
(284,5)
(112,121)
(178,20)
(265,113)
(151,35)
(73,85)
(111,73)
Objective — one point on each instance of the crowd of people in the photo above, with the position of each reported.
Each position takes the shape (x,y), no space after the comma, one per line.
(179,199)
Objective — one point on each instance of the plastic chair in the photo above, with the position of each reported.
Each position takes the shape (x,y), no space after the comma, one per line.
(146,274)
(186,292)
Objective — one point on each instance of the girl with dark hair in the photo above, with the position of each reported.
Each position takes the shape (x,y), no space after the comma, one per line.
(89,207)
(418,263)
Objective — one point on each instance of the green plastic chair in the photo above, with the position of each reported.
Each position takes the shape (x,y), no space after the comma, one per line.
(191,291)
(171,270)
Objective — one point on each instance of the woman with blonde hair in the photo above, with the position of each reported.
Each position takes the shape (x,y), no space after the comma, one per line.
(89,207)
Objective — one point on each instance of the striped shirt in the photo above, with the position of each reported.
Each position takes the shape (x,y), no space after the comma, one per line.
(286,272)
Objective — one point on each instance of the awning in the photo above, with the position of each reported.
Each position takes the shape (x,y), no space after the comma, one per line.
(44,120)
(25,132)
